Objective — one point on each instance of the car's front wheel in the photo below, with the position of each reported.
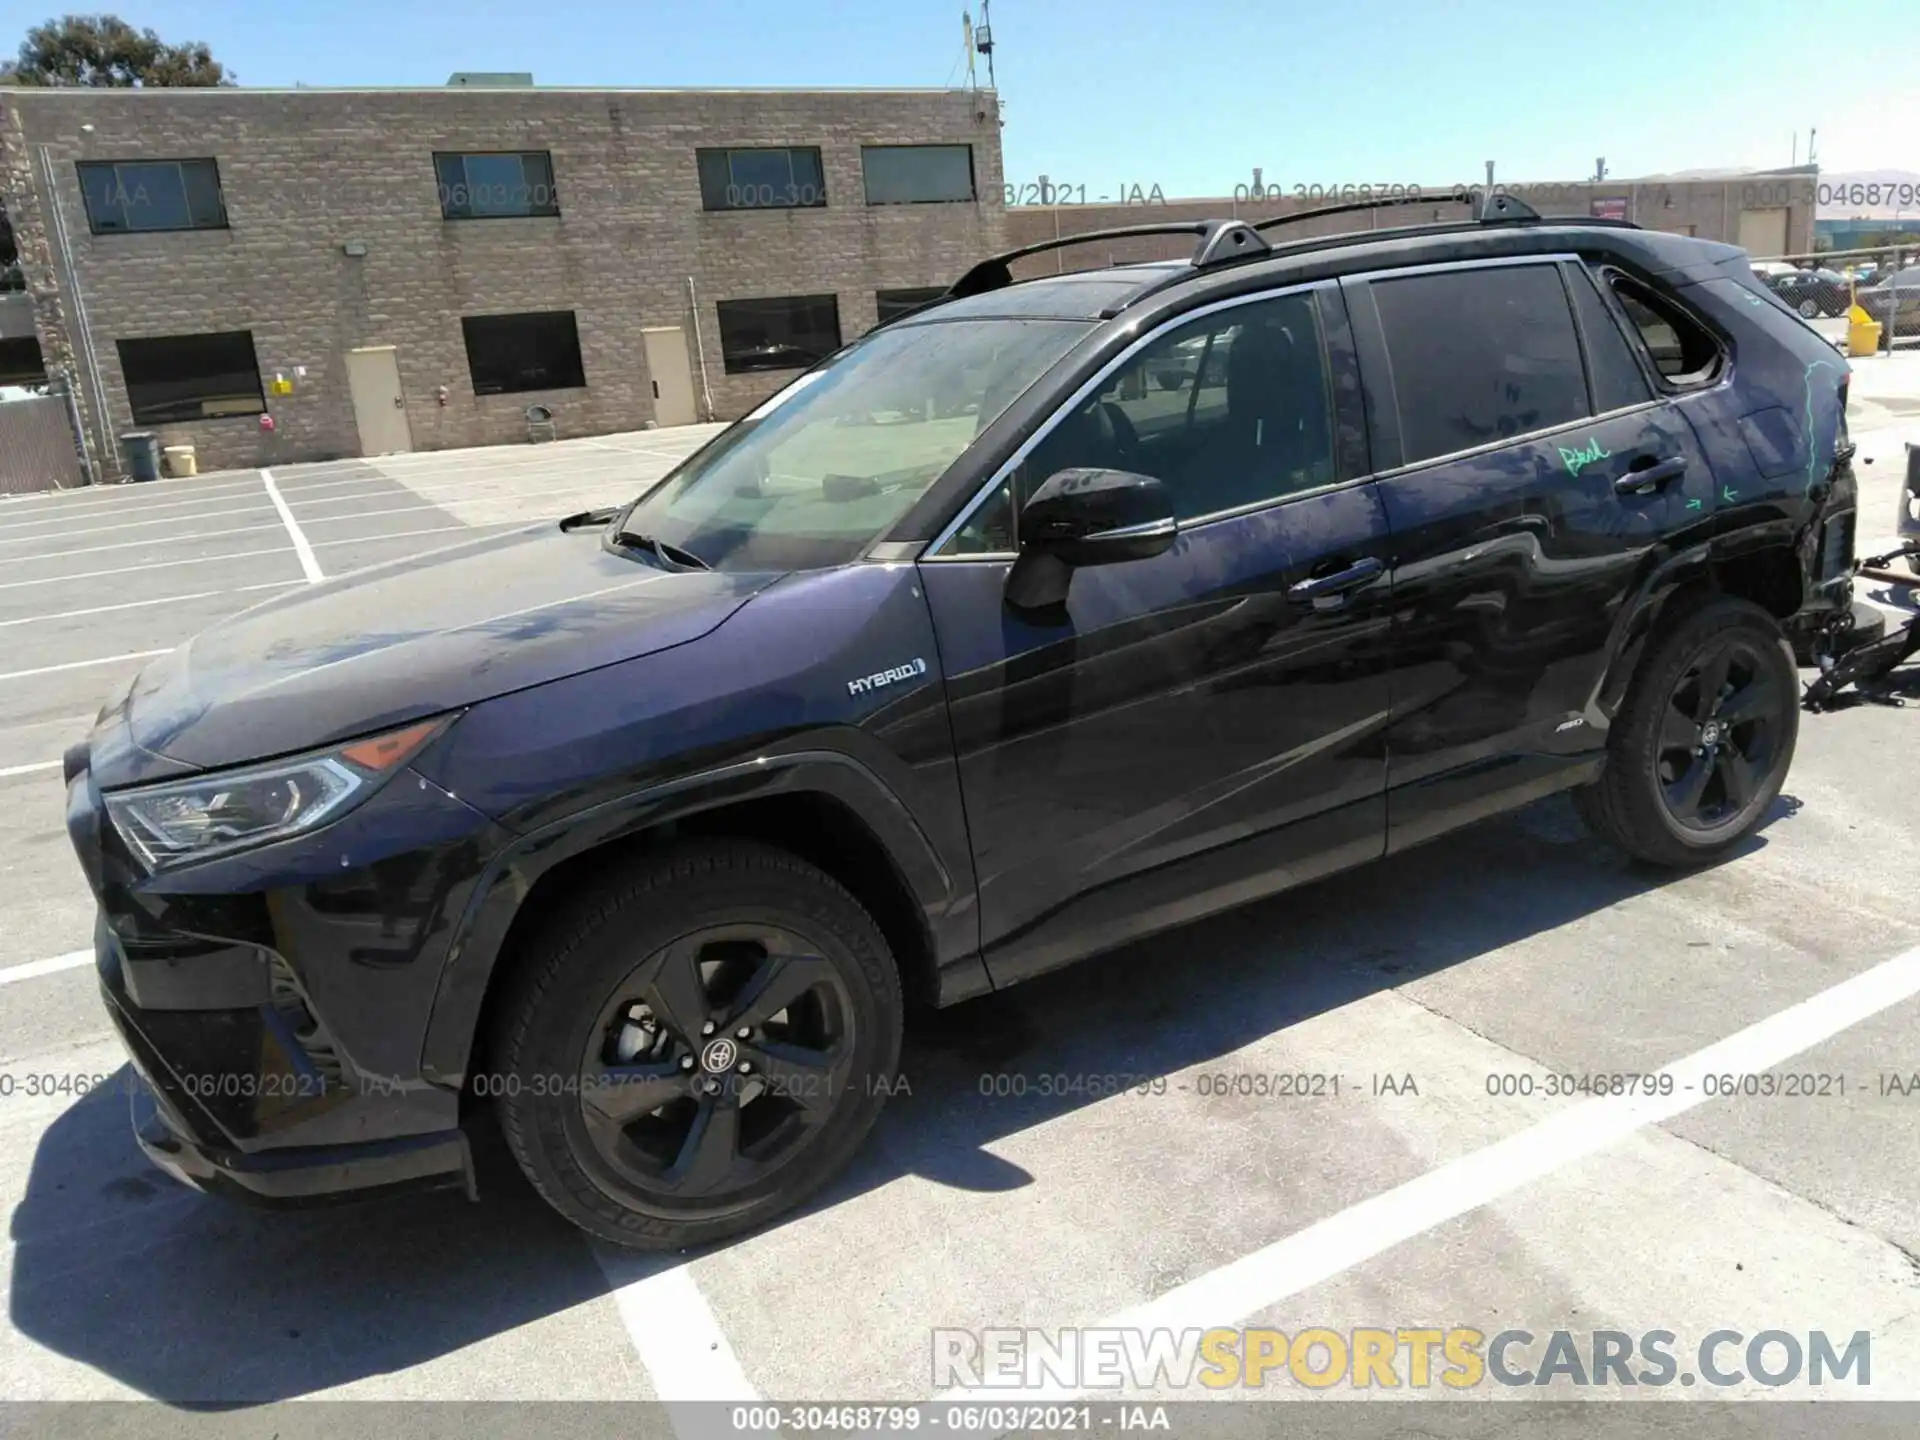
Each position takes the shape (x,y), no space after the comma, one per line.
(1701,747)
(696,1047)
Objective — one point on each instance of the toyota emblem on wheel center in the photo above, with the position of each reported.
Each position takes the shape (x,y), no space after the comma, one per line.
(718,1056)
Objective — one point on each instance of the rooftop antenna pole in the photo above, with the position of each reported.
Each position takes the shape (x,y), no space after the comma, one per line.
(966,45)
(983,39)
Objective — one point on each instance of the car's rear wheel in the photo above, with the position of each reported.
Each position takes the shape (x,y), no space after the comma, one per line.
(1703,743)
(698,1046)
(1809,308)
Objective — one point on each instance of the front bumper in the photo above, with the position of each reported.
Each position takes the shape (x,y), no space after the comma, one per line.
(177,1116)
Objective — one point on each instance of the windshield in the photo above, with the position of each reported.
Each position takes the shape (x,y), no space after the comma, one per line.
(830,463)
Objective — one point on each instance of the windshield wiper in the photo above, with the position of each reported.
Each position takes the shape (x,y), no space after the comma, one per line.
(672,556)
(589,517)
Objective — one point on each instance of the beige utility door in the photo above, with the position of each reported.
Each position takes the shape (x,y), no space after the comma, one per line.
(1763,233)
(379,407)
(672,375)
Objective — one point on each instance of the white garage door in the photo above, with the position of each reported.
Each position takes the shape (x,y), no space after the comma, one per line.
(1763,232)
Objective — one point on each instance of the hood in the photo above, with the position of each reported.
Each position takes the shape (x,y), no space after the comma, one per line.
(380,647)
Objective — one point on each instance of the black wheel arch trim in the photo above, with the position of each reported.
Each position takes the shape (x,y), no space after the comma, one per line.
(948,918)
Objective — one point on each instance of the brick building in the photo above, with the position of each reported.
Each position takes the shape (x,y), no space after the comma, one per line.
(1768,213)
(383,270)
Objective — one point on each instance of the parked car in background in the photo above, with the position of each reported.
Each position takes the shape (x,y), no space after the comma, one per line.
(1895,298)
(1814,292)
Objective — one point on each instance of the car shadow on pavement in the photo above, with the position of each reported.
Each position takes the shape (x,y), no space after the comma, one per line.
(204,1303)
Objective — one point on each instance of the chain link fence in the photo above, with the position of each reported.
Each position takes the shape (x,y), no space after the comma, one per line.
(1827,286)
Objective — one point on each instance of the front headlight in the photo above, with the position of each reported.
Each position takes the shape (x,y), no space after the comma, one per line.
(190,820)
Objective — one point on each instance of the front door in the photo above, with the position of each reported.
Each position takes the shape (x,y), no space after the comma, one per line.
(671,375)
(1530,482)
(1192,730)
(379,405)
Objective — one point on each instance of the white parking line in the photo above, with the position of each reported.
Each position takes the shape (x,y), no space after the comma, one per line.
(121,571)
(673,1331)
(108,609)
(33,969)
(308,564)
(8,771)
(63,527)
(82,664)
(1332,1246)
(107,497)
(296,491)
(145,542)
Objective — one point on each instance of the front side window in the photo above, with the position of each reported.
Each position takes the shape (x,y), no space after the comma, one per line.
(1228,410)
(917,174)
(1480,355)
(131,195)
(761,178)
(830,463)
(496,185)
(789,332)
(537,351)
(191,377)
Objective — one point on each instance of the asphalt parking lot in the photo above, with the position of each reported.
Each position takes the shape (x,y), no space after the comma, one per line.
(997,1193)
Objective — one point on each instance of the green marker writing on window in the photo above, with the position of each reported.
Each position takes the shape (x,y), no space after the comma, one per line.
(1577,460)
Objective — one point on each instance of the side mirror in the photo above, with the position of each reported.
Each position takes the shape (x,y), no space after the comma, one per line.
(1098,517)
(1086,517)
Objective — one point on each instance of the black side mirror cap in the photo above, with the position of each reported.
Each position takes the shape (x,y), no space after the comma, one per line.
(1098,517)
(1085,517)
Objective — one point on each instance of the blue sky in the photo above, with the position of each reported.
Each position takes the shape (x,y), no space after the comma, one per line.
(1189,97)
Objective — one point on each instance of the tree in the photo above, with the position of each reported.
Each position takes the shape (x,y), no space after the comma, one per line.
(105,50)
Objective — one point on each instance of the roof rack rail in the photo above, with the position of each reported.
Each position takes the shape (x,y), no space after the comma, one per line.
(1485,209)
(1219,241)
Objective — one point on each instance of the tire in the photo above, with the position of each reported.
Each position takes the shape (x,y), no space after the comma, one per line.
(1809,309)
(1641,800)
(601,1021)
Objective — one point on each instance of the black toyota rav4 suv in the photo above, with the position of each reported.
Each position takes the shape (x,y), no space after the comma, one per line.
(976,650)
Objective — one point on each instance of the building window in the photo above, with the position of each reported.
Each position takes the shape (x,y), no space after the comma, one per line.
(128,195)
(761,179)
(191,377)
(789,333)
(892,304)
(506,353)
(509,184)
(917,174)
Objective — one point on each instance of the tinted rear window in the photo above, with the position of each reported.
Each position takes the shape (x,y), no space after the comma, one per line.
(1480,355)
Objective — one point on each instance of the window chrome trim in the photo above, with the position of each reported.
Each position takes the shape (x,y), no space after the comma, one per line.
(1089,387)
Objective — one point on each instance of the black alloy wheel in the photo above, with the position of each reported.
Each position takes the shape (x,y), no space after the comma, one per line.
(1720,733)
(715,1061)
(694,1044)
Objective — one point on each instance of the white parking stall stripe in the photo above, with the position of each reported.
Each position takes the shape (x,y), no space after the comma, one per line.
(63,527)
(368,514)
(102,499)
(308,564)
(8,771)
(1332,1246)
(146,542)
(296,490)
(82,664)
(433,530)
(33,969)
(108,609)
(673,1331)
(123,570)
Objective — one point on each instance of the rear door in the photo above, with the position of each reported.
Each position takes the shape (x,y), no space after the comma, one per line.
(1530,478)
(1191,730)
